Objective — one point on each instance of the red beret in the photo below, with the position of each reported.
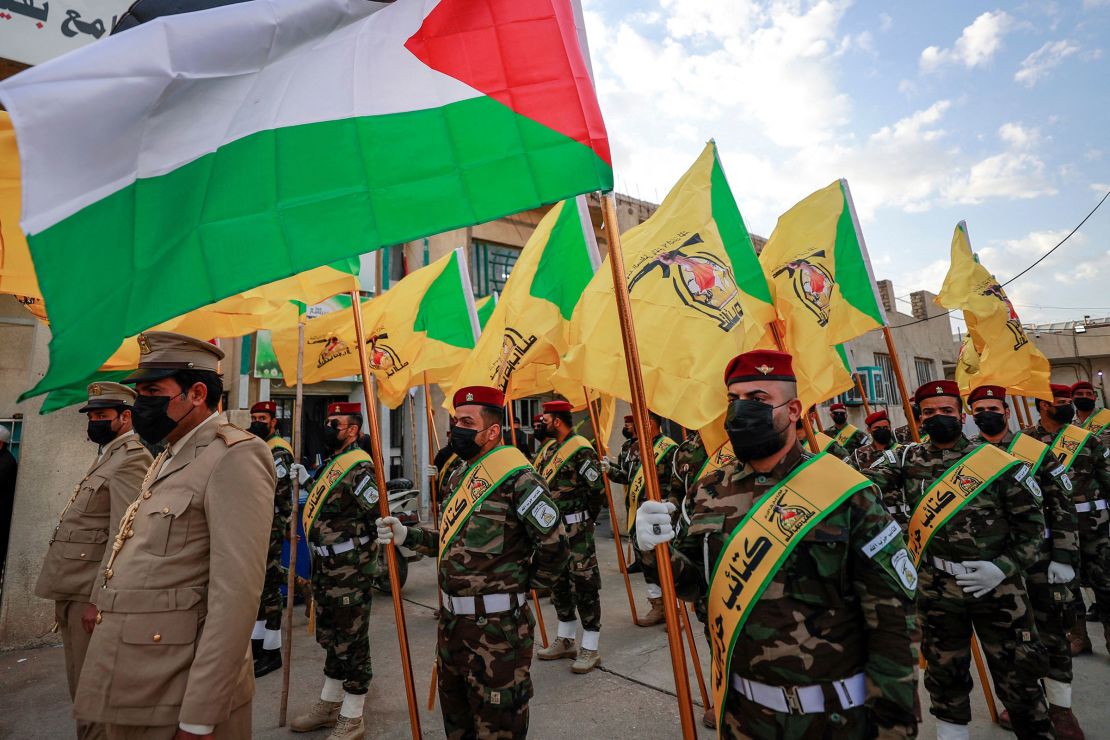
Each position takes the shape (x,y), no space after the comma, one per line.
(479,395)
(1082,385)
(996,392)
(760,364)
(265,407)
(553,406)
(876,416)
(937,389)
(1060,391)
(838,407)
(344,408)
(537,419)
(628,419)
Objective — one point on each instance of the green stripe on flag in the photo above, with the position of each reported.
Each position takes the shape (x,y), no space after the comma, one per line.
(486,310)
(564,269)
(444,313)
(734,234)
(852,275)
(280,202)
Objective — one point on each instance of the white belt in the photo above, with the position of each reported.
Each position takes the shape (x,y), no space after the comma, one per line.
(490,603)
(1047,533)
(952,569)
(1096,505)
(897,509)
(851,691)
(340,547)
(578,516)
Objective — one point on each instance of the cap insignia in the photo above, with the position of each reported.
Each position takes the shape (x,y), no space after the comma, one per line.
(765,369)
(939,389)
(95,389)
(144,345)
(469,396)
(990,394)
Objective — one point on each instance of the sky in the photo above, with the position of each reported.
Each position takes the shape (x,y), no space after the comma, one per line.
(996,114)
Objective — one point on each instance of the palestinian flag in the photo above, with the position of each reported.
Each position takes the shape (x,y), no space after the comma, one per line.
(200,155)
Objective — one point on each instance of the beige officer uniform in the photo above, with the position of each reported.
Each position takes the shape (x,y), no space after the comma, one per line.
(179,591)
(87,523)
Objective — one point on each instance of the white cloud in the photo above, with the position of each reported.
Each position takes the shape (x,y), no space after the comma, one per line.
(1005,175)
(1100,187)
(1018,136)
(1093,154)
(886,22)
(975,47)
(1038,64)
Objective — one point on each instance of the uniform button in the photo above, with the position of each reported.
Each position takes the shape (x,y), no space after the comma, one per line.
(99,617)
(157,638)
(146,495)
(165,510)
(82,554)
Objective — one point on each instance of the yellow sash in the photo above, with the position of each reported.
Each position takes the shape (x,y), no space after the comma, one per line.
(721,457)
(1068,443)
(326,482)
(482,479)
(279,443)
(566,451)
(952,491)
(662,446)
(761,543)
(1029,450)
(824,441)
(845,434)
(543,451)
(1097,421)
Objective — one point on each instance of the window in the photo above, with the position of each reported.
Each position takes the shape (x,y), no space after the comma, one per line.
(15,426)
(490,265)
(527,409)
(882,360)
(924,367)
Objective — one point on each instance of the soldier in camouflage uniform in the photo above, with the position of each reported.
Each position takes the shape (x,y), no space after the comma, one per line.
(971,574)
(688,460)
(624,472)
(340,531)
(1090,477)
(839,414)
(266,638)
(1047,580)
(902,433)
(579,492)
(512,541)
(830,648)
(1085,399)
(883,444)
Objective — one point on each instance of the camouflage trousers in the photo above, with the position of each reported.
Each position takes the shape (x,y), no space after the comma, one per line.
(484,668)
(270,605)
(579,585)
(342,589)
(1003,621)
(1094,569)
(1051,607)
(744,718)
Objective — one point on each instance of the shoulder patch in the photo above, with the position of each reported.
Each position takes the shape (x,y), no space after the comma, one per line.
(367,490)
(905,570)
(280,469)
(544,515)
(889,455)
(1034,488)
(529,501)
(233,435)
(1022,471)
(1057,471)
(883,539)
(1065,481)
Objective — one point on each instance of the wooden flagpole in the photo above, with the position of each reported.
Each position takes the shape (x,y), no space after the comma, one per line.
(291,580)
(640,416)
(433,483)
(603,451)
(383,508)
(684,615)
(1018,413)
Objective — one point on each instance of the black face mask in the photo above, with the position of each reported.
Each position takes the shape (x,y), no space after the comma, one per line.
(150,419)
(942,428)
(463,444)
(990,422)
(628,433)
(839,418)
(101,432)
(1063,414)
(331,437)
(751,429)
(1086,405)
(882,435)
(259,429)
(540,432)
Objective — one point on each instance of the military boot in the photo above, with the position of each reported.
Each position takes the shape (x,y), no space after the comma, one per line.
(1065,723)
(1078,639)
(348,728)
(322,714)
(586,661)
(560,647)
(267,661)
(709,719)
(1004,721)
(655,615)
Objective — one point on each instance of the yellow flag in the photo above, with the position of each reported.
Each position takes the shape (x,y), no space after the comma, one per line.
(426,323)
(967,365)
(698,298)
(17,273)
(1006,356)
(824,292)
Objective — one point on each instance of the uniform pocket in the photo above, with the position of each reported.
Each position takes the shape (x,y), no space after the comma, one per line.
(155,652)
(167,525)
(484,532)
(93,497)
(816,571)
(87,551)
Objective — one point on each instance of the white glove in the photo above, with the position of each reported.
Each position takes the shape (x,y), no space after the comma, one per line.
(1060,573)
(606,464)
(299,473)
(432,471)
(653,524)
(982,579)
(390,530)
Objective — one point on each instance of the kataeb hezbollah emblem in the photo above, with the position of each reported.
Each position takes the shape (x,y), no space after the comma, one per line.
(699,277)
(333,348)
(514,346)
(812,282)
(790,518)
(1013,323)
(383,357)
(967,483)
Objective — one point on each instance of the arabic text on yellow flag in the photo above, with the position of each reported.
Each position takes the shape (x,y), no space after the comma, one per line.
(426,323)
(698,299)
(824,292)
(1006,355)
(523,341)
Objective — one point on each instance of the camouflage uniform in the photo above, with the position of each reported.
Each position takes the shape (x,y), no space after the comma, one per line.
(806,627)
(869,455)
(1090,477)
(1060,544)
(1002,524)
(484,660)
(902,434)
(578,488)
(342,583)
(627,465)
(854,442)
(270,607)
(688,461)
